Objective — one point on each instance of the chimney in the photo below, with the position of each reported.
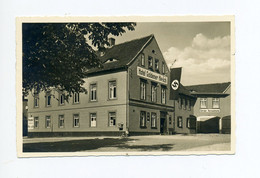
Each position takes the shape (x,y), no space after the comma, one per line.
(111,41)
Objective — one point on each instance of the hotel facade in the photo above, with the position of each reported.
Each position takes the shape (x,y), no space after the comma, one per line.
(130,94)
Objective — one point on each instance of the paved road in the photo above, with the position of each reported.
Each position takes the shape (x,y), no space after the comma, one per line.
(197,142)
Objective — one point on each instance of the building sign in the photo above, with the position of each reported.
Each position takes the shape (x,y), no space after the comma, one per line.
(152,75)
(30,123)
(210,110)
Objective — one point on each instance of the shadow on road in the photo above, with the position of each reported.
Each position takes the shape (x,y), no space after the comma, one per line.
(91,144)
(164,147)
(73,145)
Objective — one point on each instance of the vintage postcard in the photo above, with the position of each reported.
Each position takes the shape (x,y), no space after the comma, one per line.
(158,85)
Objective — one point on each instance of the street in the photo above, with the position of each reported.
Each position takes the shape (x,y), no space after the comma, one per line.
(196,142)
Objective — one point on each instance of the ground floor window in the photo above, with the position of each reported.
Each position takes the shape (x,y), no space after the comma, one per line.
(180,122)
(93,119)
(61,121)
(36,122)
(76,120)
(154,120)
(48,121)
(142,119)
(191,123)
(112,118)
(170,120)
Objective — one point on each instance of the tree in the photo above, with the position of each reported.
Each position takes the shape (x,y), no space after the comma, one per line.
(59,54)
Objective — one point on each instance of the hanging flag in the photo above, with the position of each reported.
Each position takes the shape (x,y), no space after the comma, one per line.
(175,83)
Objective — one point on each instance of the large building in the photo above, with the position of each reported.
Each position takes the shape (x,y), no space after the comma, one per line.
(212,107)
(129,94)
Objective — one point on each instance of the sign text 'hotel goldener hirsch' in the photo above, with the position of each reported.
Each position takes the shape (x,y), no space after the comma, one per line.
(152,75)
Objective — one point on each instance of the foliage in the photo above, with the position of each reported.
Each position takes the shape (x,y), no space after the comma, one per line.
(59,54)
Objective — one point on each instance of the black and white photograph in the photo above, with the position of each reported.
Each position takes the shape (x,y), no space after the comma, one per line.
(126,86)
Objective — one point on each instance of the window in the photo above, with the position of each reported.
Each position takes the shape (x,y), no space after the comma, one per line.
(154,120)
(184,103)
(215,103)
(61,121)
(76,120)
(150,62)
(203,103)
(48,121)
(179,103)
(180,122)
(188,123)
(170,120)
(62,99)
(36,122)
(143,90)
(163,68)
(48,99)
(112,118)
(142,60)
(76,97)
(36,100)
(188,105)
(154,92)
(163,95)
(112,90)
(93,119)
(156,64)
(93,92)
(142,119)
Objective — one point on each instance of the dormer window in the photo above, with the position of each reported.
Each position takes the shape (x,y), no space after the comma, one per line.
(163,68)
(111,60)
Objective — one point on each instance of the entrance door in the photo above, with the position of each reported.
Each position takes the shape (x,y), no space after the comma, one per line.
(162,126)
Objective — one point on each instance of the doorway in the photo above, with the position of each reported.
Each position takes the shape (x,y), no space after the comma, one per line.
(163,129)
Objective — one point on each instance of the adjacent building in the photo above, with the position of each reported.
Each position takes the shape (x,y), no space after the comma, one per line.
(212,107)
(185,121)
(130,94)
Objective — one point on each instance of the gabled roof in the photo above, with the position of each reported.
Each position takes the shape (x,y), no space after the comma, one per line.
(214,88)
(122,54)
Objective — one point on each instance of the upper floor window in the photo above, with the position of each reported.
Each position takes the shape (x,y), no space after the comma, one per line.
(62,99)
(215,103)
(142,119)
(112,89)
(156,64)
(36,100)
(93,119)
(76,120)
(93,92)
(48,98)
(143,90)
(112,118)
(163,95)
(154,92)
(150,62)
(153,120)
(142,60)
(188,105)
(163,68)
(76,97)
(203,103)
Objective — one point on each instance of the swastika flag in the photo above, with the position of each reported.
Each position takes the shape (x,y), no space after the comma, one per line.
(175,83)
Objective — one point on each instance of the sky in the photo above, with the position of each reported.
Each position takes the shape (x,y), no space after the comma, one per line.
(202,49)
